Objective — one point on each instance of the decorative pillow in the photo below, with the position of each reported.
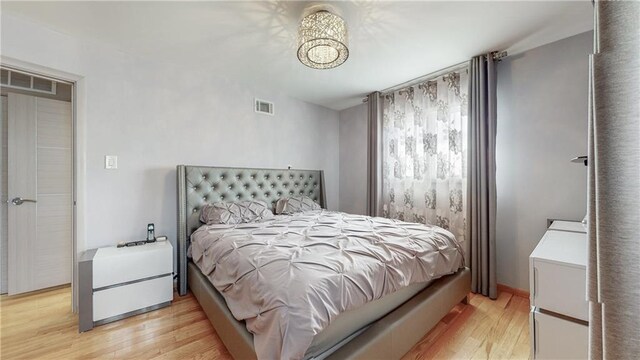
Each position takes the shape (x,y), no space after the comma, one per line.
(235,212)
(296,204)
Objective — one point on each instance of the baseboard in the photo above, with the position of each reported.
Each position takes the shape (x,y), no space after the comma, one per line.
(514,291)
(36,292)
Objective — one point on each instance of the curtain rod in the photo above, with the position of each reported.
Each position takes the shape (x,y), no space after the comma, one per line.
(425,77)
(497,56)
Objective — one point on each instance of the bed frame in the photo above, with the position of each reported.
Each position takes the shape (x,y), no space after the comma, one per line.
(388,338)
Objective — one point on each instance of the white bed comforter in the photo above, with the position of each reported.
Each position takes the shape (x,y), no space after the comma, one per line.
(288,277)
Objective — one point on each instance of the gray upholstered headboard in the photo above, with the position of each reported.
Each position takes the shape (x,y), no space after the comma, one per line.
(200,185)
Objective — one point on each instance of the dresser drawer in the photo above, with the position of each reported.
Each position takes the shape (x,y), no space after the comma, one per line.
(123,299)
(558,338)
(560,288)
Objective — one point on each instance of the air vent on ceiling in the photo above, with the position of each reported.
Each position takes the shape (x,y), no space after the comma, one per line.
(264,107)
(18,80)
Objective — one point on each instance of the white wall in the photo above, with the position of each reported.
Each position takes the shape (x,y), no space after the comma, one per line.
(542,123)
(154,116)
(353,160)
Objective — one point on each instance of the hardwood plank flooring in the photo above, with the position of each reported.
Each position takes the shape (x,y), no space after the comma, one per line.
(42,326)
(484,329)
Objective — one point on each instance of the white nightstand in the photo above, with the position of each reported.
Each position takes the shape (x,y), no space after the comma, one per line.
(115,283)
(558,280)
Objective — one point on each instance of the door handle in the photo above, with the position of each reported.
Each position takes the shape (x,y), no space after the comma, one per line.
(20,201)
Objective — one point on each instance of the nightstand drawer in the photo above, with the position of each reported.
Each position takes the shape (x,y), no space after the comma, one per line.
(558,338)
(560,288)
(116,282)
(123,299)
(132,263)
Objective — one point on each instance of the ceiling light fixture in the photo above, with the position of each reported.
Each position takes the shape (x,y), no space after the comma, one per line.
(322,40)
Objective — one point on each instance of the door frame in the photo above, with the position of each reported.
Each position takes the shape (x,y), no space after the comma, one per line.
(78,108)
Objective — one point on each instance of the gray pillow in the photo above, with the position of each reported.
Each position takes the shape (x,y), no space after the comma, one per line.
(235,212)
(296,204)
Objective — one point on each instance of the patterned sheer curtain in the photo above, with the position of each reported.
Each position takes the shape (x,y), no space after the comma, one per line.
(424,153)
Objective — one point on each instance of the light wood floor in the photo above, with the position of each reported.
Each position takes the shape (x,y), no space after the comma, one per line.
(42,326)
(484,329)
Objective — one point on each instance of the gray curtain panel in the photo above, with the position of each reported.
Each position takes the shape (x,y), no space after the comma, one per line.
(614,183)
(481,177)
(374,163)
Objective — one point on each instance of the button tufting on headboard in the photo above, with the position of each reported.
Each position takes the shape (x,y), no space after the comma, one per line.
(210,184)
(201,185)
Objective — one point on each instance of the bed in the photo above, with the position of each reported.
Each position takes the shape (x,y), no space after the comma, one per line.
(385,328)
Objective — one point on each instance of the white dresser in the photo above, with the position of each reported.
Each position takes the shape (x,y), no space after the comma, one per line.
(557,278)
(118,282)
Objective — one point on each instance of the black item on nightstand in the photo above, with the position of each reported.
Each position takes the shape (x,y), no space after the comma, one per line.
(151,234)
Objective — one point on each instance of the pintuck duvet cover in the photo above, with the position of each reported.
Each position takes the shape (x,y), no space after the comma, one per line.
(289,276)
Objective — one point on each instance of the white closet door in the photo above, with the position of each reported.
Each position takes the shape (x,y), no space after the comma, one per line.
(39,192)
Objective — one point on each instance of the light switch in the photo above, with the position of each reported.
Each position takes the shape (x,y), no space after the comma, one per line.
(110,162)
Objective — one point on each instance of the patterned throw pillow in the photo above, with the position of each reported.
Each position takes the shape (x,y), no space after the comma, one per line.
(296,204)
(235,212)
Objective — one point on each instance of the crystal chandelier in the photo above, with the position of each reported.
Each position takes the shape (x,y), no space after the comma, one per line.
(322,40)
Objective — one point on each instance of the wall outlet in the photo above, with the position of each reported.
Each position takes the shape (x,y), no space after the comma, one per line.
(110,162)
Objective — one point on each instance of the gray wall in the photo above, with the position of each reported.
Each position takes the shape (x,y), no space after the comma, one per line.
(155,115)
(542,123)
(353,160)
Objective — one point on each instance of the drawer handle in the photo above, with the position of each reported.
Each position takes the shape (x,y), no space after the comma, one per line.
(535,282)
(535,336)
(131,282)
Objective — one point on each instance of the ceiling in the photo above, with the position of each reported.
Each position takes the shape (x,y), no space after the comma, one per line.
(254,42)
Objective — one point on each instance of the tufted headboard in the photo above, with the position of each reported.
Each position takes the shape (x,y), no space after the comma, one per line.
(200,185)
